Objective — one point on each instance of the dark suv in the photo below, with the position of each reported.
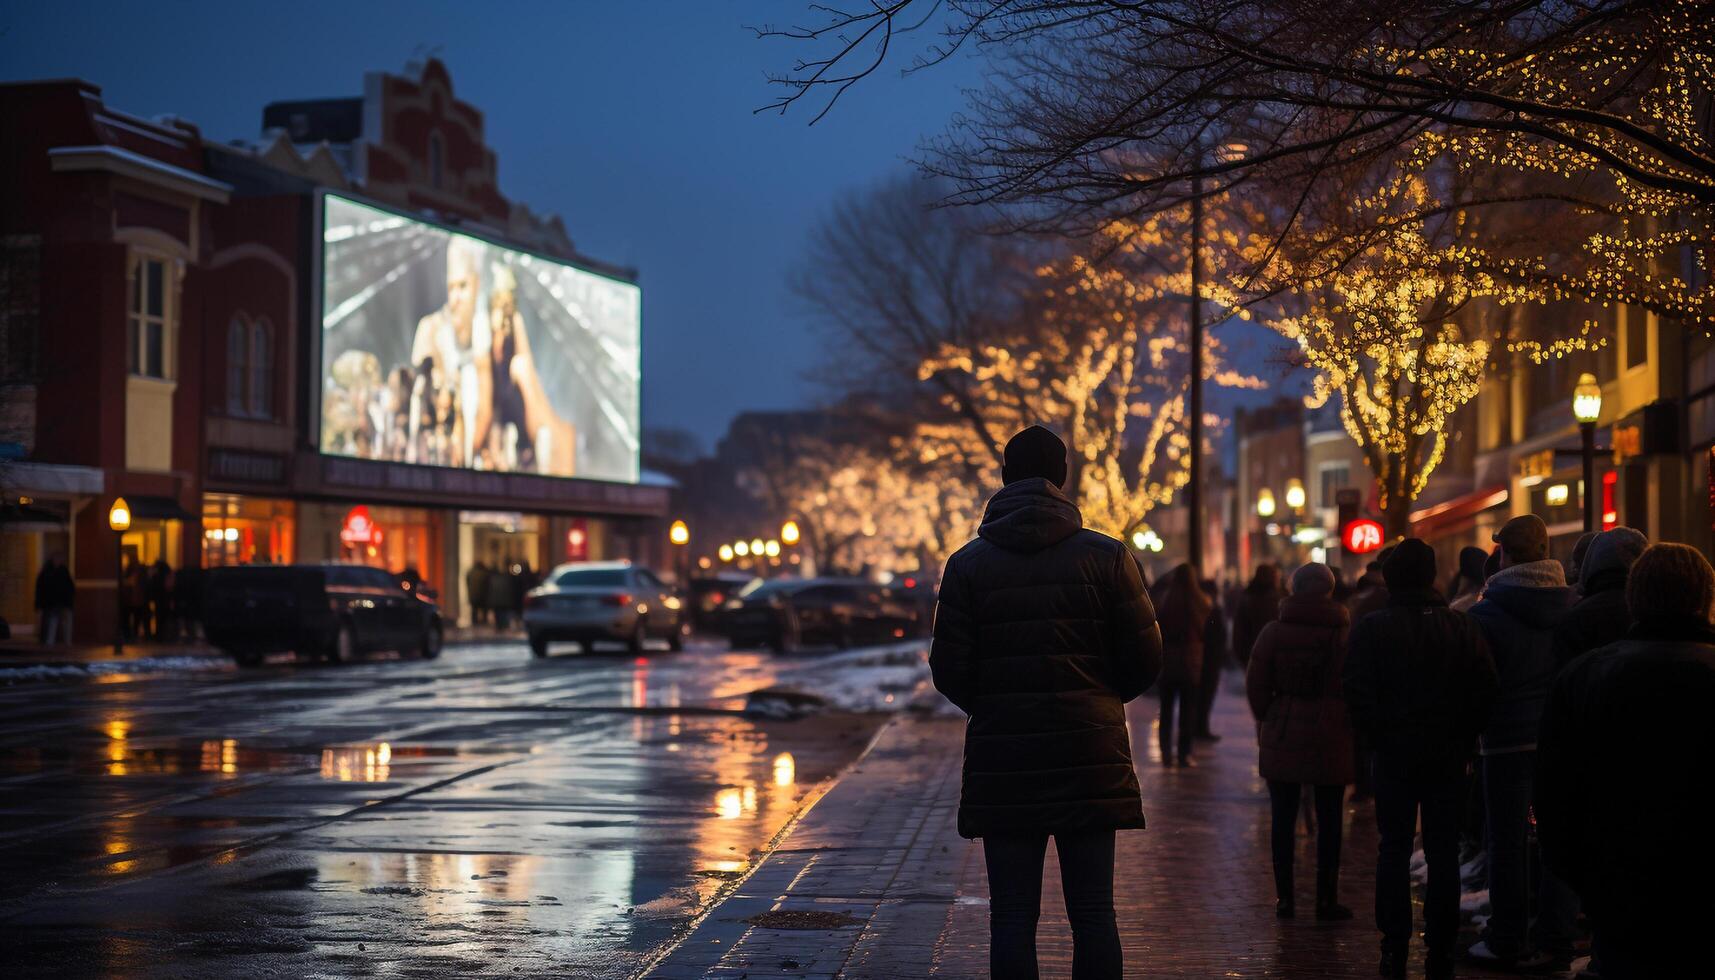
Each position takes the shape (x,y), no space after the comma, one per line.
(784,614)
(333,612)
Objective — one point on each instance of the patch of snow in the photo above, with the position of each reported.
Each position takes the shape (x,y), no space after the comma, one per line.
(1477,901)
(875,679)
(27,673)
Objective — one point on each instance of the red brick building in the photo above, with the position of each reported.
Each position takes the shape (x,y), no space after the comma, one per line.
(157,331)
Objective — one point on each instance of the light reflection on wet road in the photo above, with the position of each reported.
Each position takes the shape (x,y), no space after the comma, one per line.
(485,814)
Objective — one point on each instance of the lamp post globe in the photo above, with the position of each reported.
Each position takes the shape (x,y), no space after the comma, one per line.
(789,533)
(119,519)
(1587,408)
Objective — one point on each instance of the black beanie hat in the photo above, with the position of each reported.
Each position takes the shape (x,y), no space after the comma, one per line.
(1471,559)
(1034,452)
(1411,566)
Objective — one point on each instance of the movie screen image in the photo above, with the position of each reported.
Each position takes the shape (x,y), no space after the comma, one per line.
(447,350)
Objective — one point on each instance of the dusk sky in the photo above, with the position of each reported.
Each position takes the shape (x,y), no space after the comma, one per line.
(633,121)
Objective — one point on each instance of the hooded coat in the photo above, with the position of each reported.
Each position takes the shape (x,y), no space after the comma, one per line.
(1521,606)
(1600,616)
(1257,606)
(1304,732)
(1043,631)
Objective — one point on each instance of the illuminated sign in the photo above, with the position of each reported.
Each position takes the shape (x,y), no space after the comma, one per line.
(1362,536)
(358,528)
(442,349)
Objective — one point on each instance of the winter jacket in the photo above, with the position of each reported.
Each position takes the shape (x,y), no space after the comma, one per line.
(1304,733)
(1372,595)
(1520,608)
(54,588)
(1418,681)
(1183,619)
(1623,794)
(1258,605)
(1043,632)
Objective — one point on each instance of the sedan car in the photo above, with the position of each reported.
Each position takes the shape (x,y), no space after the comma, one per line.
(590,601)
(784,614)
(329,611)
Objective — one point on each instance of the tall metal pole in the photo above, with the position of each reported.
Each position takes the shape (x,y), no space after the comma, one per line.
(119,593)
(1591,500)
(1194,500)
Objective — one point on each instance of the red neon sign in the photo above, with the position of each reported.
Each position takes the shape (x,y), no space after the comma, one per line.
(1362,536)
(358,528)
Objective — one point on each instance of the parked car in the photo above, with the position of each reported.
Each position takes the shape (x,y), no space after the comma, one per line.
(589,601)
(330,611)
(708,597)
(784,614)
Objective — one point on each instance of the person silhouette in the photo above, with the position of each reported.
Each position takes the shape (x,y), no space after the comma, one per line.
(1043,631)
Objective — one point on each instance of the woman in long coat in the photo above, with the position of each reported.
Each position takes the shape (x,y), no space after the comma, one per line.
(1182,612)
(1304,731)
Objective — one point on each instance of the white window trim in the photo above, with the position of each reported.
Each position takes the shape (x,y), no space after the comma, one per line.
(172,283)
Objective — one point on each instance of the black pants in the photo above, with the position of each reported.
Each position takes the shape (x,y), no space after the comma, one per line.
(1015,903)
(1283,801)
(1403,792)
(1208,687)
(1185,694)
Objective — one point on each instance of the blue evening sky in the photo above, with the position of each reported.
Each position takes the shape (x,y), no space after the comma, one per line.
(633,121)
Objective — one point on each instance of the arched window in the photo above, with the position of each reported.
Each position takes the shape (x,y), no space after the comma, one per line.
(250,368)
(238,366)
(262,369)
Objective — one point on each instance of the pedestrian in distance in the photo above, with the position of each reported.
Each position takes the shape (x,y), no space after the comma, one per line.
(1601,615)
(1183,612)
(476,586)
(1258,605)
(1467,585)
(500,595)
(55,593)
(1214,664)
(1522,604)
(1304,732)
(1420,685)
(1043,632)
(1623,794)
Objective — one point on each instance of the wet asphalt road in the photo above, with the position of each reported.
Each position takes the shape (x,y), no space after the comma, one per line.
(482,815)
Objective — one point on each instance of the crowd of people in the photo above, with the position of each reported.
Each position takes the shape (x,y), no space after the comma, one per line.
(1544,728)
(497,591)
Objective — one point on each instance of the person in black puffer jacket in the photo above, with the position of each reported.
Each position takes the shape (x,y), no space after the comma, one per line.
(1043,632)
(1419,683)
(1623,794)
(1522,604)
(1599,617)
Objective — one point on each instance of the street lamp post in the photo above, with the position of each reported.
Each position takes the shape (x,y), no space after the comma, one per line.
(1194,484)
(1587,408)
(119,519)
(680,535)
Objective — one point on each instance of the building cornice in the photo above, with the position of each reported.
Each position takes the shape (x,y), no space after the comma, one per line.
(125,163)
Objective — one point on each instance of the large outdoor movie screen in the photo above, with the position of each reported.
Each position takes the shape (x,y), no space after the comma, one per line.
(447,350)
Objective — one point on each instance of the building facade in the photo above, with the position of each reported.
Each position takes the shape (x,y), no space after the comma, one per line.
(161,340)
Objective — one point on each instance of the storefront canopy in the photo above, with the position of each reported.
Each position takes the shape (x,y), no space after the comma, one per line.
(158,509)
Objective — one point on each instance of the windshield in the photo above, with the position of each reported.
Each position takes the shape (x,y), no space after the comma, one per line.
(763,588)
(591,578)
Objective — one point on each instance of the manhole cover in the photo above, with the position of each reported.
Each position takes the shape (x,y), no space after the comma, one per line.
(799,919)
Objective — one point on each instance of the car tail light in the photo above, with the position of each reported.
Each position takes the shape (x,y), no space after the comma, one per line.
(617,599)
(532,601)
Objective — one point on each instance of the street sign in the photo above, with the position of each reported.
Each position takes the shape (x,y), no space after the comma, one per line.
(1362,536)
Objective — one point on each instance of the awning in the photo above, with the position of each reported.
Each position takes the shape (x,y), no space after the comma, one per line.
(158,509)
(1451,515)
(48,479)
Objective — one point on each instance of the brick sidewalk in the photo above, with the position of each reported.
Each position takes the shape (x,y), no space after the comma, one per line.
(875,882)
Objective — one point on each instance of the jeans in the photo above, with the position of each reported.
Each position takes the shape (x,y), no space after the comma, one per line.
(1015,902)
(1403,792)
(1186,696)
(56,625)
(1283,808)
(1516,876)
